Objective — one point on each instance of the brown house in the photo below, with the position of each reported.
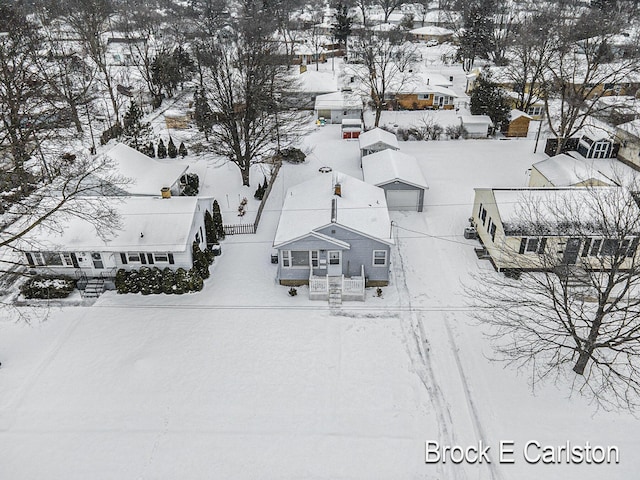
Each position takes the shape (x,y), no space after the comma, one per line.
(434,97)
(518,125)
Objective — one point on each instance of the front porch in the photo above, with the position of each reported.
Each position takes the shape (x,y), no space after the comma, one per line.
(337,288)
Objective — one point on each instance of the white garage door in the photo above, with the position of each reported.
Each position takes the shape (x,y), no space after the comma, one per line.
(403,199)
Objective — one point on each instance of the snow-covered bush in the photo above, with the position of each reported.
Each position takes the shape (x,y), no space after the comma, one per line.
(46,287)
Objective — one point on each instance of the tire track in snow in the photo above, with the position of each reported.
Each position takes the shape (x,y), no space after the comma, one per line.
(419,355)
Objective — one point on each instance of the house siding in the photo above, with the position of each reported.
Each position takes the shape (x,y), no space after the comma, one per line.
(629,148)
(360,253)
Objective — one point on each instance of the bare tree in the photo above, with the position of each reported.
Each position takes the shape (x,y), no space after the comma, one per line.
(245,85)
(23,93)
(530,55)
(582,70)
(91,22)
(389,6)
(386,64)
(574,313)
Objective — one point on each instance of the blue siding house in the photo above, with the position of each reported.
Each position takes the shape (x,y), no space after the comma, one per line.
(334,234)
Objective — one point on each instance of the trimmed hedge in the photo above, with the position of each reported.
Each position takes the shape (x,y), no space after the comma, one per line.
(153,281)
(45,287)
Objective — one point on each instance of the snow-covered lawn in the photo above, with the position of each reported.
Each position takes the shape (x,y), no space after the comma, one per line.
(241,381)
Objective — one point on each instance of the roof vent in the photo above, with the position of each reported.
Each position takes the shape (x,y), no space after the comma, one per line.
(334,210)
(166,192)
(337,189)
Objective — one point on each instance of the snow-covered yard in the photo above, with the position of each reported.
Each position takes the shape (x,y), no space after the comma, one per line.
(242,381)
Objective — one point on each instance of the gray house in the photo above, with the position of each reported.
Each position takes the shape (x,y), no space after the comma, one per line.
(334,234)
(337,106)
(399,175)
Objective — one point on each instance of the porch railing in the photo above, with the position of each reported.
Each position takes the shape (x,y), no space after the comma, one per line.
(318,287)
(353,287)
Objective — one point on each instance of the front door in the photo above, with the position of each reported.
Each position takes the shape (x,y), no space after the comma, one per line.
(97,260)
(571,250)
(334,258)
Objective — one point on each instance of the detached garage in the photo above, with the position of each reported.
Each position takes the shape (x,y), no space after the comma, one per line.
(399,175)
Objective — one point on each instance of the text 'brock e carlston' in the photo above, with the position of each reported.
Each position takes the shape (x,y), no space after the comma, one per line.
(531,452)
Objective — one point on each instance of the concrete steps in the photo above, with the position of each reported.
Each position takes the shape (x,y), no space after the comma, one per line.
(94,288)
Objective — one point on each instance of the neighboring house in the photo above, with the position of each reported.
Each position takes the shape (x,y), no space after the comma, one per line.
(425,91)
(629,135)
(399,175)
(573,170)
(430,32)
(518,125)
(377,140)
(334,226)
(520,230)
(477,126)
(153,231)
(337,106)
(147,176)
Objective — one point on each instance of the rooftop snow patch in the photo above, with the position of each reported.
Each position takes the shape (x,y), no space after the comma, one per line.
(338,101)
(146,224)
(307,207)
(564,170)
(376,135)
(148,176)
(391,165)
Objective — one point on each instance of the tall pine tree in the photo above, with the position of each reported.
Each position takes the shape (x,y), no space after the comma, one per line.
(135,132)
(203,115)
(488,98)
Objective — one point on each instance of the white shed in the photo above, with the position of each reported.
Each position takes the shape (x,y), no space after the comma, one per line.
(376,140)
(477,126)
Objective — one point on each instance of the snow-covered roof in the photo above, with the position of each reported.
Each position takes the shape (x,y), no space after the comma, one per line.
(548,209)
(391,165)
(475,120)
(307,207)
(519,113)
(147,224)
(315,81)
(147,175)
(338,101)
(564,170)
(384,27)
(431,30)
(376,135)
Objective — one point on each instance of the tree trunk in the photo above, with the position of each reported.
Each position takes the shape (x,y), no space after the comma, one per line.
(75,117)
(378,114)
(583,359)
(244,170)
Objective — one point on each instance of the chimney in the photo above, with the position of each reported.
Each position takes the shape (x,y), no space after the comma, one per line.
(166,192)
(337,189)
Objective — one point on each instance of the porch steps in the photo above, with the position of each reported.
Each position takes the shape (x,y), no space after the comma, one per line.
(94,288)
(335,291)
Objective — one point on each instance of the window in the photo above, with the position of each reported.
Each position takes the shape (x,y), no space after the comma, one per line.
(379,257)
(67,261)
(198,237)
(424,96)
(600,150)
(587,245)
(492,231)
(610,246)
(52,258)
(314,258)
(295,258)
(134,257)
(595,246)
(532,245)
(535,111)
(483,215)
(334,258)
(161,257)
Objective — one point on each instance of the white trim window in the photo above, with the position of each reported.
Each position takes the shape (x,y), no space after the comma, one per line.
(133,257)
(161,257)
(379,258)
(424,96)
(530,245)
(315,255)
(296,258)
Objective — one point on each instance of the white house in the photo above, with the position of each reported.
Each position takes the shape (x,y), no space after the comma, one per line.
(376,140)
(399,175)
(153,231)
